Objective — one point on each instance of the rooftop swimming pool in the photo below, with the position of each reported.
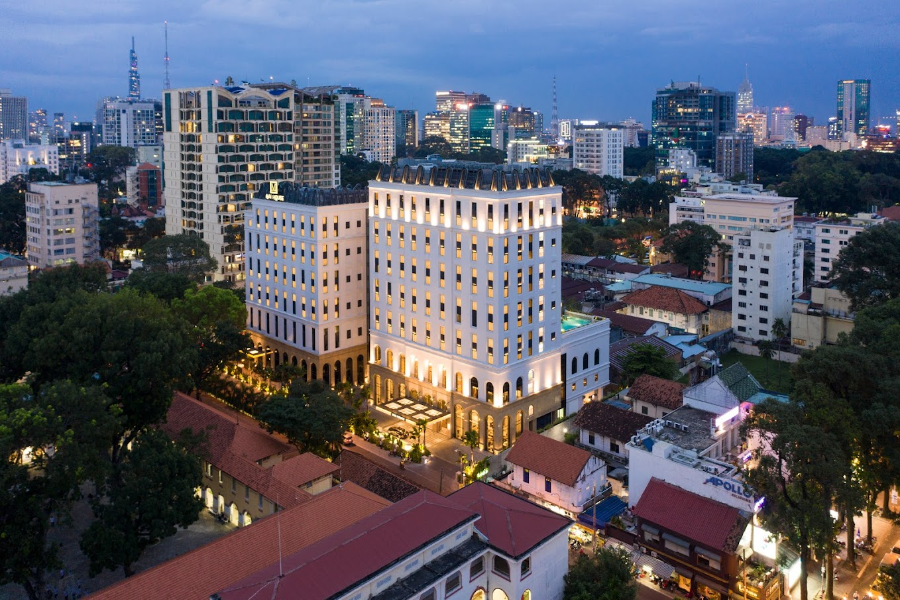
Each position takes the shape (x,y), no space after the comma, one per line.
(569,322)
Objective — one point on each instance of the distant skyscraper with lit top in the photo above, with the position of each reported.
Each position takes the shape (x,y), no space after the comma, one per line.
(745,94)
(134,78)
(853,106)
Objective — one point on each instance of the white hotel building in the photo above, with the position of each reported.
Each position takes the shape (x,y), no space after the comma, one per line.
(465,304)
(598,148)
(307,279)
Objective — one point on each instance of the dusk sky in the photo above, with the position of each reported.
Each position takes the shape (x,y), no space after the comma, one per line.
(609,56)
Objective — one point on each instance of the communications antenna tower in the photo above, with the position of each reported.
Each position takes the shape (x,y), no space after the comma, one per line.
(554,115)
(166,59)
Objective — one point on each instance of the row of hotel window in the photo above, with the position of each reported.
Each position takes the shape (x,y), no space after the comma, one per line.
(264,325)
(264,272)
(258,297)
(264,249)
(520,311)
(264,219)
(442,280)
(524,217)
(473,247)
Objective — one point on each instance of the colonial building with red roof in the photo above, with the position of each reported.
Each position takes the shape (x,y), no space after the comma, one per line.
(554,473)
(607,429)
(247,473)
(479,542)
(668,305)
(698,536)
(654,396)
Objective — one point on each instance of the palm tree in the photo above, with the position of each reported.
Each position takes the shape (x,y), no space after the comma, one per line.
(471,440)
(766,351)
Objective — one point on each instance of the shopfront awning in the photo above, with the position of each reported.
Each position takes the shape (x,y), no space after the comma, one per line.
(599,515)
(713,585)
(660,568)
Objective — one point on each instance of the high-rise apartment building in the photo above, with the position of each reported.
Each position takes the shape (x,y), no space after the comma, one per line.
(524,122)
(757,123)
(13,116)
(853,106)
(768,273)
(632,132)
(745,95)
(801,124)
(127,122)
(37,126)
(688,115)
(781,125)
(465,310)
(307,279)
(79,144)
(17,158)
(59,128)
(347,100)
(62,224)
(134,78)
(221,144)
(598,148)
(379,130)
(407,122)
(734,155)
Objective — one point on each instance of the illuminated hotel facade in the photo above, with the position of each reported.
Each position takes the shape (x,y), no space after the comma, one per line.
(465,308)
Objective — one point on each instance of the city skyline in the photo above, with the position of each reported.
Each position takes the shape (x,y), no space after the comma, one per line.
(793,60)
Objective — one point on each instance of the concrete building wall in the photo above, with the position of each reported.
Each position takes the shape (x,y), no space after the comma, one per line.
(62,224)
(598,150)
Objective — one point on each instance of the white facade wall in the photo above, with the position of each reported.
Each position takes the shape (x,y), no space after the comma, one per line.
(307,274)
(831,237)
(598,150)
(17,158)
(586,351)
(546,567)
(13,274)
(686,209)
(570,499)
(466,284)
(128,123)
(604,443)
(150,154)
(62,224)
(379,131)
(768,272)
(644,465)
(682,159)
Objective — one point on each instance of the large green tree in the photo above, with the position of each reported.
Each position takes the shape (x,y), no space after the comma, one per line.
(35,482)
(183,253)
(691,244)
(867,269)
(165,286)
(607,575)
(146,498)
(216,318)
(647,359)
(312,416)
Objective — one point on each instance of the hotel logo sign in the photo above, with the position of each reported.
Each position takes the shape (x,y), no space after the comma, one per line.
(732,487)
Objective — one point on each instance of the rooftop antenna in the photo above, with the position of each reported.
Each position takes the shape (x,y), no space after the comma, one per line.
(554,115)
(166,59)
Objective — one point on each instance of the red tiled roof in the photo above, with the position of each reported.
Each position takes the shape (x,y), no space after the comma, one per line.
(891,213)
(802,219)
(302,469)
(614,306)
(620,267)
(657,391)
(628,323)
(673,269)
(722,306)
(512,525)
(357,468)
(199,573)
(707,522)
(548,457)
(668,299)
(347,557)
(235,447)
(611,421)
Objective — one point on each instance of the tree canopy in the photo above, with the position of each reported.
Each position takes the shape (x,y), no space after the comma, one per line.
(183,253)
(647,359)
(867,269)
(691,244)
(312,416)
(607,575)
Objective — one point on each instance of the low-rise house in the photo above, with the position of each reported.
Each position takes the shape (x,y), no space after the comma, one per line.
(707,292)
(13,273)
(655,397)
(607,429)
(554,473)
(668,305)
(479,543)
(623,326)
(698,536)
(819,316)
(247,473)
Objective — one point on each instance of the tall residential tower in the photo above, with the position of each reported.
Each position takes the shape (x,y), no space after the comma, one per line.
(853,106)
